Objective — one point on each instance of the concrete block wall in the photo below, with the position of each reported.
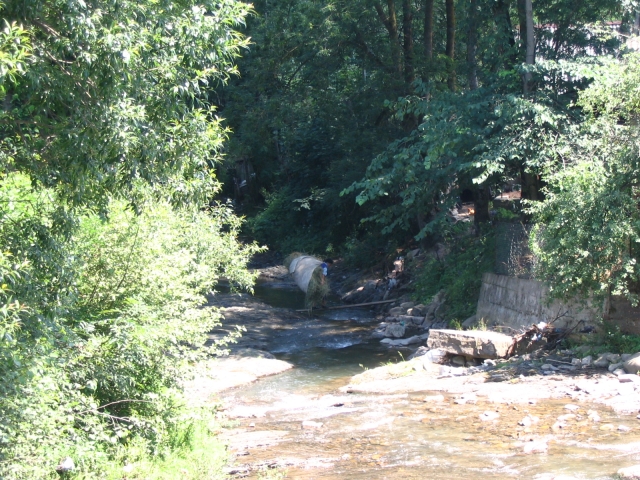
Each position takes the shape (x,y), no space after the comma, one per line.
(518,303)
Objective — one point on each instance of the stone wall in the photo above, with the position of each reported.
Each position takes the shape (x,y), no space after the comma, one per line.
(518,303)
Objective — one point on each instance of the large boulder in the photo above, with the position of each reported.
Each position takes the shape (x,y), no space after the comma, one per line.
(632,365)
(470,343)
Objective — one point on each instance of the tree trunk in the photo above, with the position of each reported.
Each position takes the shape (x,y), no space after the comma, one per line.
(407,33)
(503,24)
(522,22)
(428,29)
(531,44)
(472,46)
(451,40)
(481,199)
(390,22)
(531,186)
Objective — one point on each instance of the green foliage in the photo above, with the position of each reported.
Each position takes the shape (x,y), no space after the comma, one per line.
(94,347)
(588,226)
(325,94)
(459,273)
(14,51)
(470,140)
(108,140)
(117,94)
(614,341)
(307,114)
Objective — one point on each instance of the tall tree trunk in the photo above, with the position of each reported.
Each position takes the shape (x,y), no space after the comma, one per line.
(411,120)
(472,45)
(531,44)
(390,22)
(481,199)
(407,33)
(451,41)
(522,22)
(428,29)
(503,24)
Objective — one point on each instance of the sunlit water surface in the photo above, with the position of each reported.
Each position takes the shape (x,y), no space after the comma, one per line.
(401,436)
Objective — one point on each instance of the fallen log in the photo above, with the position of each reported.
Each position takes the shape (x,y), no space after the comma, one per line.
(352,306)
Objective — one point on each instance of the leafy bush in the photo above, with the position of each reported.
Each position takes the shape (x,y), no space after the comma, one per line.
(100,325)
(615,341)
(459,273)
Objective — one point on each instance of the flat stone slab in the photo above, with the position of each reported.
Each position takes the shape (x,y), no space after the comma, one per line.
(470,343)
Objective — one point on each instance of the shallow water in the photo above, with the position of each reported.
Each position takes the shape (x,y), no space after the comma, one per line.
(367,436)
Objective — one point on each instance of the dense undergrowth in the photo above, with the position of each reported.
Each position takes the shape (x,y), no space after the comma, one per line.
(458,272)
(101,324)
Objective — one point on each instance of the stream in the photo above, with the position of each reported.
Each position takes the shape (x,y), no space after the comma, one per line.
(301,423)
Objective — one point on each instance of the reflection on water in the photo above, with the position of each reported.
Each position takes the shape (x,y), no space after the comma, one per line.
(365,436)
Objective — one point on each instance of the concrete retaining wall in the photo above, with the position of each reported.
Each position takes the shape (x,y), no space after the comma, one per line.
(517,303)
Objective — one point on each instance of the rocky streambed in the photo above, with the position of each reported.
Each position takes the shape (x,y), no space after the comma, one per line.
(348,406)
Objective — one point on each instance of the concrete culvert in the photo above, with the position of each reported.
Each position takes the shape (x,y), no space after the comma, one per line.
(309,273)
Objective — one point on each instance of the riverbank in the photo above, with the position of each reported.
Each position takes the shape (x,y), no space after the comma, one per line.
(404,418)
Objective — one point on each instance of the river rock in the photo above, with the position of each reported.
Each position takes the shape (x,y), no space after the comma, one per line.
(630,473)
(395,330)
(601,361)
(410,320)
(421,351)
(471,343)
(418,311)
(528,421)
(593,416)
(613,357)
(435,356)
(625,356)
(632,365)
(470,322)
(406,305)
(410,341)
(395,311)
(587,361)
(434,306)
(614,366)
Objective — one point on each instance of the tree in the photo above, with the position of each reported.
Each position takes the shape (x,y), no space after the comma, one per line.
(116,94)
(487,131)
(588,227)
(108,149)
